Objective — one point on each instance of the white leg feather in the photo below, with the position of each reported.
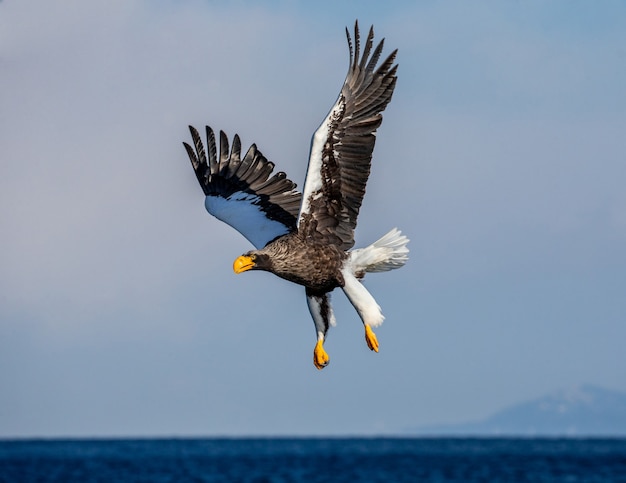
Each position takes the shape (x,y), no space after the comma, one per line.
(361,299)
(323,317)
(321,312)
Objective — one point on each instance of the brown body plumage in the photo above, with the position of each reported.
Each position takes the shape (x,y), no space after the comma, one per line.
(315,265)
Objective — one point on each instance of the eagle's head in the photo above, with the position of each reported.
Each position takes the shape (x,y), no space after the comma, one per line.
(253,260)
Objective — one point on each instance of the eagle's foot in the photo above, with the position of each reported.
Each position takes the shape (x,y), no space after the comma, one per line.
(320,357)
(370,338)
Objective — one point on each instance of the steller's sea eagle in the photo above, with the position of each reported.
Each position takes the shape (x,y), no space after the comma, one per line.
(307,238)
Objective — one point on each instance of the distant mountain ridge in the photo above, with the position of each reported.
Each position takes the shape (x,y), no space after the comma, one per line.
(585,410)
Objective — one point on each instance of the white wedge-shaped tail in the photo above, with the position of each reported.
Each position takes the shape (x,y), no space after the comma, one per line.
(387,253)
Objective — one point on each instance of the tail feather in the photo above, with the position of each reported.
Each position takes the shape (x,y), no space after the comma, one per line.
(387,253)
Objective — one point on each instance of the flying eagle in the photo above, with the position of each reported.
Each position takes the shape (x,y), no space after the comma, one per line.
(308,238)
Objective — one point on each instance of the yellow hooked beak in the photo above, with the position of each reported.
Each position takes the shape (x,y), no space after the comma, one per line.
(242,264)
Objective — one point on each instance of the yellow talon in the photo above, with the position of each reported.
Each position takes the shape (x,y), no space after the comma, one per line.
(370,338)
(320,357)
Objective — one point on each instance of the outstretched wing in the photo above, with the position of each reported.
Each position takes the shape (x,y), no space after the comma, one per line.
(241,192)
(341,149)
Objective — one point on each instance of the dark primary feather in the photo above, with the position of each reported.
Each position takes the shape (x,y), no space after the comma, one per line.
(230,174)
(348,146)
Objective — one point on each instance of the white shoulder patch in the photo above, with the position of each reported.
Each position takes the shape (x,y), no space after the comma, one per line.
(313,181)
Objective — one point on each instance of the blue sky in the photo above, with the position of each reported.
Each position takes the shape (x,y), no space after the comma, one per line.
(502,157)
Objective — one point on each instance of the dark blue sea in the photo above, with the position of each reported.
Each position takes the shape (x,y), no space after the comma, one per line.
(314,459)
